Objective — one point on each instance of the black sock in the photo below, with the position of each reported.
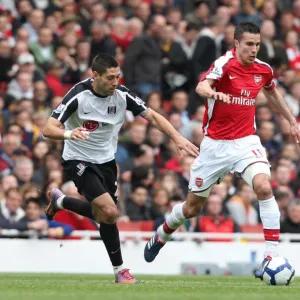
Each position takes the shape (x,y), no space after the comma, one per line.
(110,236)
(81,207)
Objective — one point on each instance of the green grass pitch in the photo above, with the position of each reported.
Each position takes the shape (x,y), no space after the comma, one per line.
(90,287)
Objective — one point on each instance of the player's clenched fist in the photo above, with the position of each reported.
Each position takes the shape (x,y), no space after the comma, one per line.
(218,96)
(79,133)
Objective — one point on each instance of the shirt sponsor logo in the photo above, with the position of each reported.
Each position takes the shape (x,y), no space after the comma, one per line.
(242,100)
(90,125)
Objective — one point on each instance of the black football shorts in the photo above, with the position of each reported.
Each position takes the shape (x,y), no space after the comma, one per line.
(92,180)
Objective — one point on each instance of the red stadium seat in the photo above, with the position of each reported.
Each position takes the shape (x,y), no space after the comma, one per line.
(258,228)
(129,226)
(147,226)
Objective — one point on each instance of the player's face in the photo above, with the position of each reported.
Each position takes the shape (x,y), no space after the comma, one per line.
(247,48)
(107,83)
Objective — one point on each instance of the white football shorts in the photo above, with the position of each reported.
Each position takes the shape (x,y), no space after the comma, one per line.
(219,157)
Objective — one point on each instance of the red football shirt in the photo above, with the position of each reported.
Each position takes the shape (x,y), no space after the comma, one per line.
(242,83)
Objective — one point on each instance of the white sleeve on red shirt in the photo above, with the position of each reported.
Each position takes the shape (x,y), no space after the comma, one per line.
(216,71)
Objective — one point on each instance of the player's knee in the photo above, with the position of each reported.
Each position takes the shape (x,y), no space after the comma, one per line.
(262,187)
(110,214)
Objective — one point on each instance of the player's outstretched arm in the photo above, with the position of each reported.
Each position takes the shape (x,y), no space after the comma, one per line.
(55,130)
(277,100)
(204,89)
(166,127)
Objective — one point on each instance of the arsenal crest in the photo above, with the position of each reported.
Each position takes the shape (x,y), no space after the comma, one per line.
(199,182)
(257,79)
(112,110)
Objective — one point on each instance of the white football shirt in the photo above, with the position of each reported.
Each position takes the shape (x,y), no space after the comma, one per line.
(101,116)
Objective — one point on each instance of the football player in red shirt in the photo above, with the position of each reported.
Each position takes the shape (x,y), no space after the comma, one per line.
(230,144)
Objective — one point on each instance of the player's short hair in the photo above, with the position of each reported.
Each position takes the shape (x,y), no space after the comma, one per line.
(245,27)
(104,61)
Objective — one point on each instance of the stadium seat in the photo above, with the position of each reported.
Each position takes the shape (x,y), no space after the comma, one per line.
(129,226)
(147,226)
(258,228)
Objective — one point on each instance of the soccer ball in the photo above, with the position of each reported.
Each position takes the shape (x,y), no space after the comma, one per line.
(278,271)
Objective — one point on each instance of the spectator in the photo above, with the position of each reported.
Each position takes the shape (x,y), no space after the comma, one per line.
(154,100)
(169,181)
(214,220)
(160,203)
(5,60)
(248,14)
(184,175)
(137,135)
(137,209)
(179,104)
(10,143)
(21,87)
(241,207)
(23,170)
(285,24)
(271,50)
(83,52)
(175,120)
(26,64)
(284,199)
(35,21)
(156,141)
(206,48)
(42,49)
(201,14)
(227,42)
(143,11)
(282,176)
(34,213)
(144,77)
(12,215)
(292,223)
(174,63)
(292,50)
(7,182)
(101,42)
(135,27)
(196,122)
(120,34)
(266,133)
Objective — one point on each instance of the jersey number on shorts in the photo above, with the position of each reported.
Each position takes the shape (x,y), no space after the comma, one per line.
(257,153)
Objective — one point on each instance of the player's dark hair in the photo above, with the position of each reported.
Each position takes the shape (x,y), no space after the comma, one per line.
(245,27)
(104,61)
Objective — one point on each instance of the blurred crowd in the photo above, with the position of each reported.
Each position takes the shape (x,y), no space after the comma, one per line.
(163,46)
